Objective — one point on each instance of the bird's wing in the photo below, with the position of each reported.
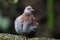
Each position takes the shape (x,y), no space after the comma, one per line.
(18,24)
(35,20)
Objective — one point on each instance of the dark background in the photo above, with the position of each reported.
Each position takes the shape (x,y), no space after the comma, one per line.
(10,9)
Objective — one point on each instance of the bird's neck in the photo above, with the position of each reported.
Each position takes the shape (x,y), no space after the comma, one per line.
(27,14)
(27,11)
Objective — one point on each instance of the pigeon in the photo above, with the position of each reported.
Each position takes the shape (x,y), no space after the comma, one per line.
(26,24)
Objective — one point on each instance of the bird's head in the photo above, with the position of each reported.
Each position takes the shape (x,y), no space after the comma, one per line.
(28,10)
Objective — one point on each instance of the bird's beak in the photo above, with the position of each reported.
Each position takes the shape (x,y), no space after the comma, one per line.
(32,9)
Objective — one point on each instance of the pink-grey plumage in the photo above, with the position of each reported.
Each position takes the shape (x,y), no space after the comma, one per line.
(26,23)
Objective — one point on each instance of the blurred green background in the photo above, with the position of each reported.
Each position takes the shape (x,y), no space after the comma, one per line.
(46,10)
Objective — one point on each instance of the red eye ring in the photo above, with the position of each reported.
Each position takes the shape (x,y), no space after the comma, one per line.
(28,8)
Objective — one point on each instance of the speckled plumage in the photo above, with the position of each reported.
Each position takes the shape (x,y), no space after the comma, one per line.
(26,23)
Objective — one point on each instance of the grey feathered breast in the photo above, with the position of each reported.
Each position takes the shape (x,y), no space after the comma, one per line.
(24,27)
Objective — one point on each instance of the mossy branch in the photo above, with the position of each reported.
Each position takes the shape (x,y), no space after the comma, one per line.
(18,37)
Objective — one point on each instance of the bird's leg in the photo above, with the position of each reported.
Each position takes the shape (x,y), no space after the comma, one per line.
(24,38)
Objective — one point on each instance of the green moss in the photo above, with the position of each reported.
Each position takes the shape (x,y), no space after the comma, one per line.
(18,37)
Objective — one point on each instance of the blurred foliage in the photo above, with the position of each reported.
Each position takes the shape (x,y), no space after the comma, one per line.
(13,1)
(8,14)
(4,22)
(51,18)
